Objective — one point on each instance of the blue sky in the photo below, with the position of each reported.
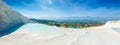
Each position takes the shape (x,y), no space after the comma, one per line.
(66,8)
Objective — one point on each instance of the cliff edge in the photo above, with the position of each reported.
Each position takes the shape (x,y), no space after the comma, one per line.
(9,19)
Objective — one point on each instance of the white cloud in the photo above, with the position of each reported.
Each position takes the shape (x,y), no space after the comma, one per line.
(50,1)
(44,4)
(26,4)
(48,11)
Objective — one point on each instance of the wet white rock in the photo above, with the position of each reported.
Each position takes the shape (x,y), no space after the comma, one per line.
(40,34)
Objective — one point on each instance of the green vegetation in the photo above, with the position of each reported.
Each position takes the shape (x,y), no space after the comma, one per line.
(69,24)
(75,25)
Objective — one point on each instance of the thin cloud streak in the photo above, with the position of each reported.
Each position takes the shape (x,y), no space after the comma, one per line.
(67,8)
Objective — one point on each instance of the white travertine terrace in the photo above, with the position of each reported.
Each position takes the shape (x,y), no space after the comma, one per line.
(40,34)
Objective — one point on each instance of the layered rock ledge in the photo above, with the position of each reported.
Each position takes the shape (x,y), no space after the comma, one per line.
(9,19)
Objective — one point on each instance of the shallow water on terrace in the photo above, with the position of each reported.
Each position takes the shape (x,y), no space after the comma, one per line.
(116,29)
(37,27)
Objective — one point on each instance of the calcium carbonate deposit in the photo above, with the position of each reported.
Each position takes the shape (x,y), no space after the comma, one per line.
(40,34)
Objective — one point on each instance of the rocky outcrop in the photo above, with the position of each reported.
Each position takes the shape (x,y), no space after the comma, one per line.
(111,23)
(9,18)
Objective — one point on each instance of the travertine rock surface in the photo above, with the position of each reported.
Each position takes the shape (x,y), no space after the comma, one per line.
(40,34)
(9,18)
